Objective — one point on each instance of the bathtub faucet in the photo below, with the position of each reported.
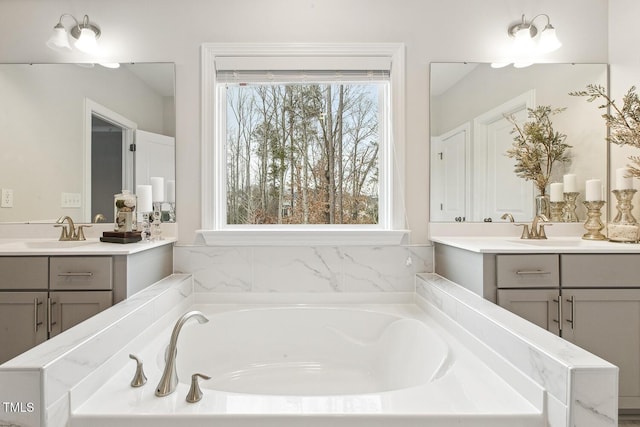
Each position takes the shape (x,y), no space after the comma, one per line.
(169,380)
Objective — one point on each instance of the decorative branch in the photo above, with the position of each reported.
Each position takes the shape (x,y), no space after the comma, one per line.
(623,123)
(537,146)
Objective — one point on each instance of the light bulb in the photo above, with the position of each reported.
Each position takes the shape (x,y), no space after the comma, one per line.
(548,40)
(87,41)
(59,39)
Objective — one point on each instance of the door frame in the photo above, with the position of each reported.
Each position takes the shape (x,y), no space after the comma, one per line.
(92,108)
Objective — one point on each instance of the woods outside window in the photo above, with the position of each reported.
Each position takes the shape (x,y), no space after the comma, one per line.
(301,137)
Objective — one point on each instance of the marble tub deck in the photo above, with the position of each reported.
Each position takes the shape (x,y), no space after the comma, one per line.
(579,389)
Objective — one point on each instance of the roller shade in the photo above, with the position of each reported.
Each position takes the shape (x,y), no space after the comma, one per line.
(298,69)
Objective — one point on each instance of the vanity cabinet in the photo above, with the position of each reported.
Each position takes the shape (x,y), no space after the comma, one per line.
(42,296)
(595,304)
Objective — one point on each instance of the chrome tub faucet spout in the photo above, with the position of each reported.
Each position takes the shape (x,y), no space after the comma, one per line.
(169,380)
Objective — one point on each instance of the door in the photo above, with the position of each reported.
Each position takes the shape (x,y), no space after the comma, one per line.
(22,320)
(154,156)
(67,309)
(539,306)
(494,175)
(449,186)
(605,322)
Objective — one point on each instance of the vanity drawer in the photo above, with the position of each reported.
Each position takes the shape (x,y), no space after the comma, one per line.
(600,270)
(528,271)
(24,273)
(74,273)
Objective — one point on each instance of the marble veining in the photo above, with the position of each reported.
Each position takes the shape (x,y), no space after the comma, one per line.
(304,268)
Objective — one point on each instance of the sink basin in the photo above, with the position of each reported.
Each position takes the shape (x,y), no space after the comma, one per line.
(49,244)
(551,242)
(45,244)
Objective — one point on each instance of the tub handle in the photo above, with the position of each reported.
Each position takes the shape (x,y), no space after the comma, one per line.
(195,394)
(139,379)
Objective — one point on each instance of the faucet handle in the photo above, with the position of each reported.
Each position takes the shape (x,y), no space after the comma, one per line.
(525,231)
(195,394)
(541,233)
(139,379)
(81,231)
(64,233)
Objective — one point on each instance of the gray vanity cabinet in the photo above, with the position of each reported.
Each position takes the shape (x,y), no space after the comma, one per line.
(22,323)
(42,296)
(600,305)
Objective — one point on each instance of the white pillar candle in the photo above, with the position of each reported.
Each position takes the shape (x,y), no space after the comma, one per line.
(171,191)
(556,189)
(570,185)
(144,198)
(157,185)
(593,190)
(623,182)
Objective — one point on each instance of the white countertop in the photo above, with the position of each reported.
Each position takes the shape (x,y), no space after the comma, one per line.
(505,244)
(93,246)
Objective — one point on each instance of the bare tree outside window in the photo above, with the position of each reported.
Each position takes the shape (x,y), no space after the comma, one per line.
(303,153)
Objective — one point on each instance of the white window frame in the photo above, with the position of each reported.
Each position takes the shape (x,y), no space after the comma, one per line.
(215,231)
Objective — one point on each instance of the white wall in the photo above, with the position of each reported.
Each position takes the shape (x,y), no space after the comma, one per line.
(172,30)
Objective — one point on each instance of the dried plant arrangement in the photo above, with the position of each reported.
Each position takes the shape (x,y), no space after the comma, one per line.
(537,146)
(623,123)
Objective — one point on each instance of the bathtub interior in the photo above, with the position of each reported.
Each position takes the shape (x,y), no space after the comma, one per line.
(310,351)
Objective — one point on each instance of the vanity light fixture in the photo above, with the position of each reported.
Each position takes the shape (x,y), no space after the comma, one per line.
(525,44)
(85,34)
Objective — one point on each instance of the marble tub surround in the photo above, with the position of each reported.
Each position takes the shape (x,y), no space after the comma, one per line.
(45,374)
(581,389)
(301,269)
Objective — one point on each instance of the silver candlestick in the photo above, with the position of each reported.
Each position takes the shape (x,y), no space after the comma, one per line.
(569,212)
(624,227)
(557,208)
(593,224)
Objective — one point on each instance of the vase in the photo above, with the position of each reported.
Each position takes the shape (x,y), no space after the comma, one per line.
(543,205)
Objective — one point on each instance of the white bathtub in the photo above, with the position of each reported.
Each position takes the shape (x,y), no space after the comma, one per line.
(316,365)
(311,351)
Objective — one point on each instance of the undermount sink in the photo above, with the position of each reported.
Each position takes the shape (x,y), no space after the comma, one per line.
(46,243)
(550,242)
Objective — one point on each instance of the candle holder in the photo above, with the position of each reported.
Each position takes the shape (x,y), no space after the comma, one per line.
(156,233)
(593,224)
(557,209)
(569,211)
(624,227)
(172,212)
(146,226)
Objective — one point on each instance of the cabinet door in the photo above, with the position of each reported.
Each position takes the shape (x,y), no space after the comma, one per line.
(22,323)
(606,322)
(539,306)
(67,309)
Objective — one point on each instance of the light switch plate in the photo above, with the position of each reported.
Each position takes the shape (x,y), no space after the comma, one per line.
(71,200)
(7,198)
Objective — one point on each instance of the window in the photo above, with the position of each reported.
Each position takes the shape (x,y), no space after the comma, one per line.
(302,137)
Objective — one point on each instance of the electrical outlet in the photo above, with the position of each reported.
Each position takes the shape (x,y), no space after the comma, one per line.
(7,198)
(71,200)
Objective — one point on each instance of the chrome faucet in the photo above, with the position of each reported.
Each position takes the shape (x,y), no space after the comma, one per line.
(169,380)
(537,230)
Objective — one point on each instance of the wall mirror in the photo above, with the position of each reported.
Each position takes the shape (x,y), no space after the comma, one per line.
(472,179)
(73,135)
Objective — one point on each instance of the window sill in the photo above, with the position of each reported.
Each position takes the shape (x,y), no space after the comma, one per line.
(282,237)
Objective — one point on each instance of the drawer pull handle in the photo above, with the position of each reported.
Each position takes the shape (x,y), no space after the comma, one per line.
(524,272)
(559,313)
(87,274)
(572,320)
(36,303)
